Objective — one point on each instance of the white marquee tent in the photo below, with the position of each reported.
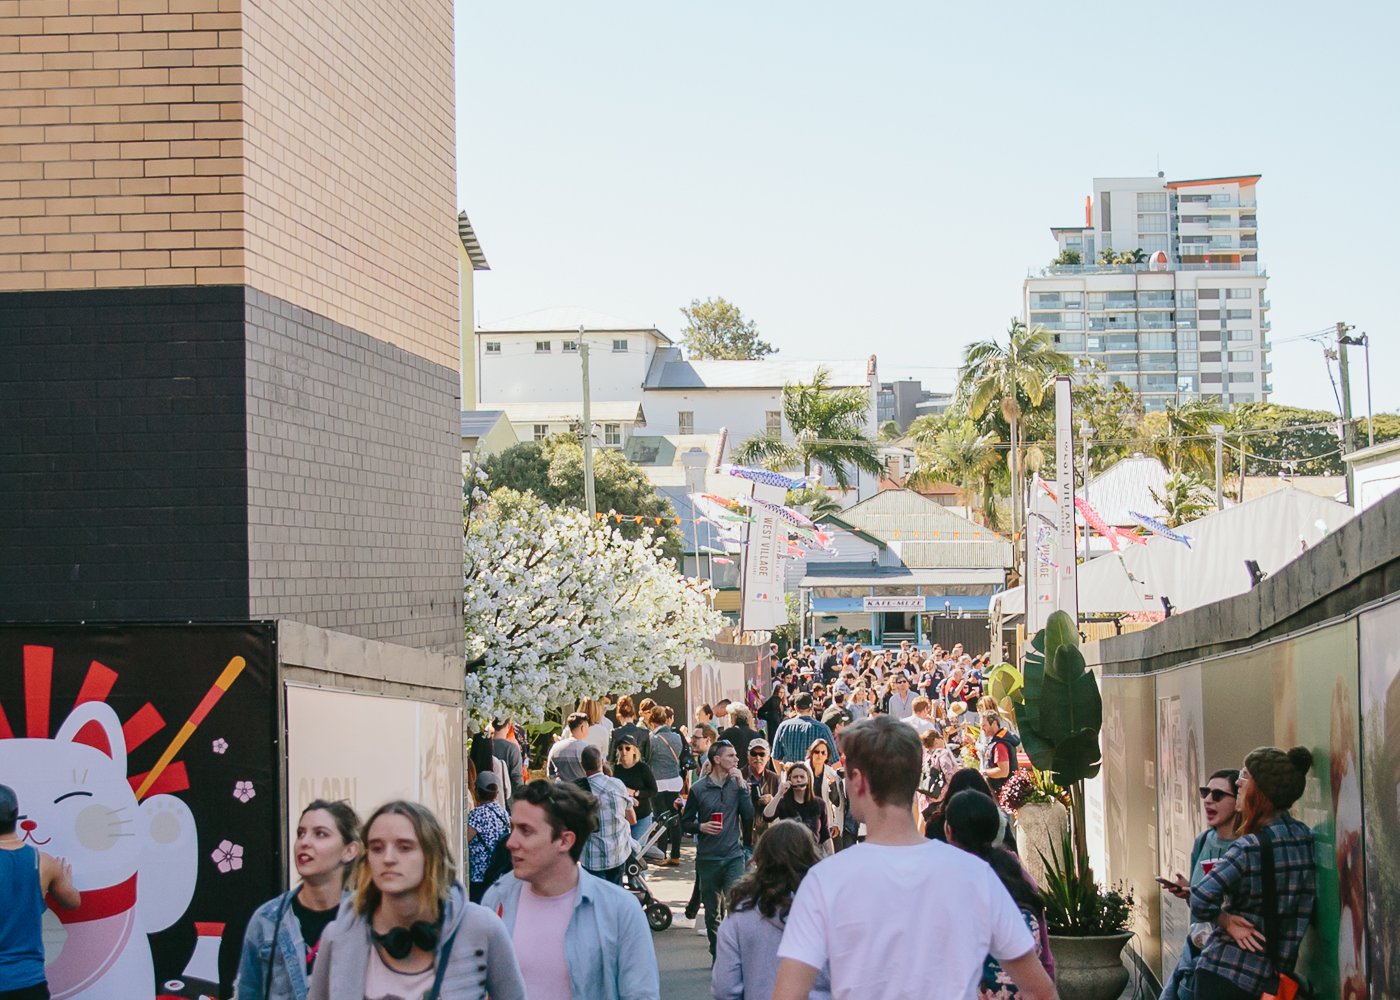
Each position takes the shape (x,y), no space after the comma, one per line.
(1272,530)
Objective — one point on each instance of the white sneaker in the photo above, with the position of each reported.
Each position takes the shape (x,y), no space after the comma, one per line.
(700,925)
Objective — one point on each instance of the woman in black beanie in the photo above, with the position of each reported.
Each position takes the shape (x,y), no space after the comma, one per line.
(1260,921)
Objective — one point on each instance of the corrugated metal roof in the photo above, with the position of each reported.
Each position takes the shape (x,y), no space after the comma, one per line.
(1127,485)
(567,319)
(467,235)
(927,534)
(669,370)
(862,576)
(988,554)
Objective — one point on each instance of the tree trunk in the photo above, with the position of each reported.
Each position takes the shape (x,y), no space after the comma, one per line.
(1081,839)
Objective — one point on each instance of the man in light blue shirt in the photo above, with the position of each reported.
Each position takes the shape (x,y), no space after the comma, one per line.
(601,949)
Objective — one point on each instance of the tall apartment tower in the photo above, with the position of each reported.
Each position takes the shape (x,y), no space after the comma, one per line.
(229,313)
(1189,319)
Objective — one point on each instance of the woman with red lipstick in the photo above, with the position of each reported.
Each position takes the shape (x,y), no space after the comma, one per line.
(284,935)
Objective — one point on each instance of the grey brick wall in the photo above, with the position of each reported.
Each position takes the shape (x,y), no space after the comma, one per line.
(122,474)
(354,481)
(216,453)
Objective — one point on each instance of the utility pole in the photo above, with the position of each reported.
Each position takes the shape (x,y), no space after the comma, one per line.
(1364,342)
(1344,370)
(590,502)
(1219,432)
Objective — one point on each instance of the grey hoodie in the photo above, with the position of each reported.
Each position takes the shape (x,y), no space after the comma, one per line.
(482,960)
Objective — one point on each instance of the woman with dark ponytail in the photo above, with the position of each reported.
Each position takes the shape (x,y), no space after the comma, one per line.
(972,822)
(1260,894)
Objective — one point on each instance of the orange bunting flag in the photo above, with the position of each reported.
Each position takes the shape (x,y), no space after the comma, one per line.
(637,519)
(658,522)
(617,518)
(678,520)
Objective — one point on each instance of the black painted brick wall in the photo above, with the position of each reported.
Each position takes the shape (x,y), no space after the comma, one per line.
(122,476)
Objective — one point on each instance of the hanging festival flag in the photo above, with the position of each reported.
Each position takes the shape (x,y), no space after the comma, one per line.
(1093,520)
(1158,528)
(766,477)
(1131,536)
(785,514)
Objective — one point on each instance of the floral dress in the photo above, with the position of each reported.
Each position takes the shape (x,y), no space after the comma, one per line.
(996,984)
(491,824)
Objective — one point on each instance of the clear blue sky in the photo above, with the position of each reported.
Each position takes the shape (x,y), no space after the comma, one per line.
(878,177)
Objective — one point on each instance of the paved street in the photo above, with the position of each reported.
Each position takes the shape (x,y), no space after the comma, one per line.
(683,955)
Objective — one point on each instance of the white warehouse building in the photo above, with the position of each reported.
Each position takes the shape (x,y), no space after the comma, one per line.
(1189,320)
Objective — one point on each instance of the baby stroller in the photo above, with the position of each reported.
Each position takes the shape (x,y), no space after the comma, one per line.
(634,878)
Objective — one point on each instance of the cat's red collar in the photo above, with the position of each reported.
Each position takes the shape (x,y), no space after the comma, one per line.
(99,903)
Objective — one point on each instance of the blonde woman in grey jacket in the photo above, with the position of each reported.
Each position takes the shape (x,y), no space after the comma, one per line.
(409,930)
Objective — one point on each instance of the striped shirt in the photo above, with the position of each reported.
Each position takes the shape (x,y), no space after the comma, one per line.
(1236,884)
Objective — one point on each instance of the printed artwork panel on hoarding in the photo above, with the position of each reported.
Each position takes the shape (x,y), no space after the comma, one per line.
(1180,767)
(416,754)
(146,756)
(1380,736)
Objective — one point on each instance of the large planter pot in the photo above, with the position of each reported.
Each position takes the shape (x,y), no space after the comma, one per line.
(1090,968)
(1039,827)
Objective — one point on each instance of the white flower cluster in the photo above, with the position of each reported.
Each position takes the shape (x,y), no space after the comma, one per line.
(556,609)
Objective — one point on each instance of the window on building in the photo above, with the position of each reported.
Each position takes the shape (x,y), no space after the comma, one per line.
(1241,356)
(1188,360)
(1239,293)
(1210,378)
(1157,341)
(1208,293)
(1152,201)
(542,347)
(685,422)
(612,434)
(569,347)
(1152,244)
(1210,314)
(1071,341)
(1152,223)
(1186,297)
(493,347)
(1240,335)
(773,422)
(1187,383)
(1241,377)
(1195,199)
(1186,339)
(541,432)
(1239,314)
(619,345)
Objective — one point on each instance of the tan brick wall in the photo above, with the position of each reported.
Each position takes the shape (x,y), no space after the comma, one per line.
(120,138)
(351,192)
(300,146)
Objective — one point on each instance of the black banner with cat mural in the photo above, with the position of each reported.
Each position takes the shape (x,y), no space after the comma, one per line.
(147,757)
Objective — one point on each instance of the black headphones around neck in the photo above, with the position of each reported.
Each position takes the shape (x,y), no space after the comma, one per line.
(398,942)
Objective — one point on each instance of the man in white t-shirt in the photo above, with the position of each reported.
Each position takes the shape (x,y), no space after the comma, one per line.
(940,910)
(922,719)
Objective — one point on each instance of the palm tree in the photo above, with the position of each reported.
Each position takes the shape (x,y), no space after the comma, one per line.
(828,428)
(889,431)
(925,429)
(1184,497)
(960,454)
(814,501)
(1023,368)
(1188,445)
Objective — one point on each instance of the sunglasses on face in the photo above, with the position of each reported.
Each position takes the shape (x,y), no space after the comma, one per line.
(1215,794)
(758,753)
(821,753)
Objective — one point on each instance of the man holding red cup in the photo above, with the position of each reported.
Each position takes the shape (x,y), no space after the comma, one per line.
(723,796)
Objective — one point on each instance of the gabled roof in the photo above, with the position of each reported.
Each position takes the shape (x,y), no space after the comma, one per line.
(568,319)
(467,235)
(1127,485)
(621,411)
(926,533)
(478,423)
(670,370)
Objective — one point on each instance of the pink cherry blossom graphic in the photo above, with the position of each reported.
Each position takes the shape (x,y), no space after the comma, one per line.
(220,745)
(243,790)
(228,856)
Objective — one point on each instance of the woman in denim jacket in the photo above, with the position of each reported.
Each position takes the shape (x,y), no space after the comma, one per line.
(284,934)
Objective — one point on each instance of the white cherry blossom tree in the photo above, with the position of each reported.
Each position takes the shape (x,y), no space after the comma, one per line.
(556,609)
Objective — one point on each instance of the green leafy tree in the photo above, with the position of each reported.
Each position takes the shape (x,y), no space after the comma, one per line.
(1304,439)
(1184,497)
(716,329)
(814,501)
(828,428)
(1188,443)
(1069,257)
(1011,377)
(889,431)
(553,471)
(960,454)
(1112,413)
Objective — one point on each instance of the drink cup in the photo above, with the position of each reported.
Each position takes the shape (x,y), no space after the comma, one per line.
(1206,867)
(717,818)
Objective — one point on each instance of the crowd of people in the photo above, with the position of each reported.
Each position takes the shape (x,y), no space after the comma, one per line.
(848,842)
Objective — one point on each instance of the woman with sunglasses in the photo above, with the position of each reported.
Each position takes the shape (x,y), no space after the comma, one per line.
(1218,800)
(828,787)
(409,929)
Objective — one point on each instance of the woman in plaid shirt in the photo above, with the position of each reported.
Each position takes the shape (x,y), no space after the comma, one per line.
(1237,962)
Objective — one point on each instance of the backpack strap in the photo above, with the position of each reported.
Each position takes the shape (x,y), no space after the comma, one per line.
(1271,931)
(444,956)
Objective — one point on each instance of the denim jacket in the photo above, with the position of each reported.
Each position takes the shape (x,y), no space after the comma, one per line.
(608,943)
(273,966)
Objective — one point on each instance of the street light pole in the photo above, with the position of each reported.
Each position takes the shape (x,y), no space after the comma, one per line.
(590,501)
(1219,432)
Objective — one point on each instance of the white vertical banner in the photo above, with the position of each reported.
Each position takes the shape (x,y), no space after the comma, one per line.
(1042,556)
(763,605)
(1067,566)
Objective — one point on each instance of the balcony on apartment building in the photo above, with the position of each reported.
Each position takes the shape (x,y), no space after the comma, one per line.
(1243,267)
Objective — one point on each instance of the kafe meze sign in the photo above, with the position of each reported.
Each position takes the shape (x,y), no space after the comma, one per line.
(894,604)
